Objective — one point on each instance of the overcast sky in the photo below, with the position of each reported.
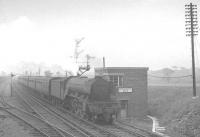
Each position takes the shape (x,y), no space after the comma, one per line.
(131,33)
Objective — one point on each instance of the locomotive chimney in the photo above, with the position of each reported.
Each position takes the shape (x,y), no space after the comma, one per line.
(104,70)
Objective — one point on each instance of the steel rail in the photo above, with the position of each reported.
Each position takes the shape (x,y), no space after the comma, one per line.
(47,114)
(151,134)
(38,124)
(131,132)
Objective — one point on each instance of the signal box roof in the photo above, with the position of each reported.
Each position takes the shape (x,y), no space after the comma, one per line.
(121,68)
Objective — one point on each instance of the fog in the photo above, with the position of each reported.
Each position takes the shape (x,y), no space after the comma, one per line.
(146,33)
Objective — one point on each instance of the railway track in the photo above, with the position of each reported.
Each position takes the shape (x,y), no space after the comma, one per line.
(19,103)
(131,128)
(122,129)
(43,128)
(116,130)
(54,119)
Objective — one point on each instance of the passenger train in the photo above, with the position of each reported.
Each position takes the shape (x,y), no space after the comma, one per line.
(90,98)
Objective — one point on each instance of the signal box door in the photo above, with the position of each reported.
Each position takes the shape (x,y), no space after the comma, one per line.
(124,108)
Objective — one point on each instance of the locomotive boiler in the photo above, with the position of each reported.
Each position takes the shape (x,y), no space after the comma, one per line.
(90,98)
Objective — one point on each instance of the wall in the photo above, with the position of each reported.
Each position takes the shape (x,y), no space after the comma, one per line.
(135,78)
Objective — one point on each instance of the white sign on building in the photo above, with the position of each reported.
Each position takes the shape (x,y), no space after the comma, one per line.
(125,90)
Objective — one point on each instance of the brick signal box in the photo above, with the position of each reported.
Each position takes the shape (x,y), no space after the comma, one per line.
(131,83)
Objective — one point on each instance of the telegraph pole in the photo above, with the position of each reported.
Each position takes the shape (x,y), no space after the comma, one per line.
(192,30)
(39,71)
(11,84)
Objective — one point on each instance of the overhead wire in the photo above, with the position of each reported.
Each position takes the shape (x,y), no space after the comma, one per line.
(197,47)
(177,77)
(185,76)
(169,77)
(196,51)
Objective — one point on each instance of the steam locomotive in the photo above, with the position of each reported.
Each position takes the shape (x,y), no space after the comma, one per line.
(90,98)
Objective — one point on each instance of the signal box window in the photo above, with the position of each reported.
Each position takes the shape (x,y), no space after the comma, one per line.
(117,80)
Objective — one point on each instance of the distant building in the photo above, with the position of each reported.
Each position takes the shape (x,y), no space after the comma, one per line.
(131,83)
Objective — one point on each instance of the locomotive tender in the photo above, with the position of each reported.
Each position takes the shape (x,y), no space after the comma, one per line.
(91,98)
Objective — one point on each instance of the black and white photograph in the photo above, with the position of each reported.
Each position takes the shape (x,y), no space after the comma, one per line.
(99,68)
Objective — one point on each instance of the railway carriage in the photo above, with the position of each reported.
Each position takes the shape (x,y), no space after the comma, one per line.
(31,82)
(23,79)
(42,84)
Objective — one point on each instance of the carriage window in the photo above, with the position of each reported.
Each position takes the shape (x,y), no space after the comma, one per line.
(117,80)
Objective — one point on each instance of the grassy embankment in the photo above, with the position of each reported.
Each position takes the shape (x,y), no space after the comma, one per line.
(175,109)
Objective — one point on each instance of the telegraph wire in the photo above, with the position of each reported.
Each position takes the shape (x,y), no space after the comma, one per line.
(170,77)
(196,51)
